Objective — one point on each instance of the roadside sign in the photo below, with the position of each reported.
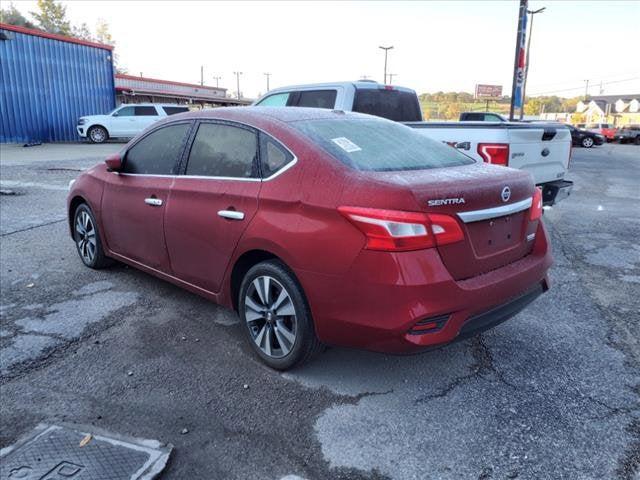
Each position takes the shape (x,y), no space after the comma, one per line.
(488,91)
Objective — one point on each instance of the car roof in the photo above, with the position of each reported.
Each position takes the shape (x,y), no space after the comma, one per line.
(282,114)
(358,84)
(148,104)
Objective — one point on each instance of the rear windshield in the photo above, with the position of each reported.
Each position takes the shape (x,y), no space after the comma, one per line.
(394,105)
(379,145)
(174,110)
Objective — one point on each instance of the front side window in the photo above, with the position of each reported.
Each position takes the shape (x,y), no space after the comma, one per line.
(146,111)
(275,100)
(158,152)
(125,112)
(317,99)
(273,157)
(379,145)
(223,151)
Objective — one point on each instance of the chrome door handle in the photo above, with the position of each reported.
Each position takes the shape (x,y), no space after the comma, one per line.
(154,202)
(231,214)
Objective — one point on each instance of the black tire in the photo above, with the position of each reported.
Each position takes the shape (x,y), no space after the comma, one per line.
(587,142)
(637,140)
(87,239)
(269,327)
(97,134)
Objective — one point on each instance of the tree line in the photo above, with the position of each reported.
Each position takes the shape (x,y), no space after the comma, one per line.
(51,17)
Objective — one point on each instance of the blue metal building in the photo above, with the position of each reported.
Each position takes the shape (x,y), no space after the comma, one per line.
(47,81)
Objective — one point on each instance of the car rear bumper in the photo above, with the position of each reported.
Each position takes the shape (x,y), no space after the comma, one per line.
(408,302)
(553,192)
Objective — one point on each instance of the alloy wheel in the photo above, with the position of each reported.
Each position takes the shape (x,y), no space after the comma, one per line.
(86,237)
(97,135)
(587,142)
(270,316)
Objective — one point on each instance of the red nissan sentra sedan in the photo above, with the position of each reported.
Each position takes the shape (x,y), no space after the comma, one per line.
(318,227)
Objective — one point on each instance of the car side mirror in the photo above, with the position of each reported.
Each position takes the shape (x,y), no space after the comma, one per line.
(114,114)
(114,162)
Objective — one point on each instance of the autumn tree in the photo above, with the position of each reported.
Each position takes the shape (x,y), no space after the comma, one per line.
(12,16)
(52,17)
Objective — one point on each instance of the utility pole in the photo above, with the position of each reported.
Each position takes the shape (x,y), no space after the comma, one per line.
(586,90)
(391,75)
(217,79)
(237,74)
(201,75)
(526,71)
(386,51)
(518,63)
(267,75)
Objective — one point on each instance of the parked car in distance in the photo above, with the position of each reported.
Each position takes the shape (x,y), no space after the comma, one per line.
(543,150)
(318,227)
(584,138)
(126,121)
(481,117)
(607,130)
(628,134)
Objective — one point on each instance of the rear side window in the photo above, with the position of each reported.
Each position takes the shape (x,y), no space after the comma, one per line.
(273,157)
(223,151)
(174,110)
(158,152)
(275,100)
(146,111)
(393,105)
(379,145)
(316,99)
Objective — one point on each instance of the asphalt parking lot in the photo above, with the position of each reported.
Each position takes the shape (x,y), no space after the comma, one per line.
(553,393)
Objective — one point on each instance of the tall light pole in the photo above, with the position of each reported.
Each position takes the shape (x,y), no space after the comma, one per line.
(267,75)
(237,74)
(202,75)
(217,79)
(526,70)
(386,51)
(391,75)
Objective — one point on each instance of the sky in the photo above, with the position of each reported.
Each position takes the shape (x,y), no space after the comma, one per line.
(448,46)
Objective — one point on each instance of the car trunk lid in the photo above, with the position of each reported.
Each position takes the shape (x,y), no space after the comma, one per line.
(491,205)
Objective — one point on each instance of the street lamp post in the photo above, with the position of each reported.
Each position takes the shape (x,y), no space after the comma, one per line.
(391,75)
(386,51)
(526,69)
(267,75)
(237,74)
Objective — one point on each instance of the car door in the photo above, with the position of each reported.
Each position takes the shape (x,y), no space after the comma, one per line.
(134,200)
(212,203)
(145,116)
(121,122)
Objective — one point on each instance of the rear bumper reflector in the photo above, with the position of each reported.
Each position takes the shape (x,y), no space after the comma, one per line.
(429,325)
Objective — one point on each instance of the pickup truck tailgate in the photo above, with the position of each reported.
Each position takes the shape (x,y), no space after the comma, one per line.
(543,151)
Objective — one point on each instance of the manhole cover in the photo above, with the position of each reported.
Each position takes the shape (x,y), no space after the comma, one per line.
(53,452)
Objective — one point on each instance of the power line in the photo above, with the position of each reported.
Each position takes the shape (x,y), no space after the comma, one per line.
(582,86)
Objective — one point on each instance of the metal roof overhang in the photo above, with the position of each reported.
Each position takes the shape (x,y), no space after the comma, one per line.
(169,94)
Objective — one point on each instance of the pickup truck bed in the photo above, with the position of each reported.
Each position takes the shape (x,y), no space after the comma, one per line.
(543,150)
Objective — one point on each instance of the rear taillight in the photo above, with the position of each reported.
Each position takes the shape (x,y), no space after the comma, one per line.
(536,205)
(395,231)
(496,153)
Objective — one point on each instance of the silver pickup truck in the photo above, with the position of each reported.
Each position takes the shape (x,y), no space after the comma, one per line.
(544,150)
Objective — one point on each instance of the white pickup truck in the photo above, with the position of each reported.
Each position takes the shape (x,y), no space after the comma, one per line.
(544,150)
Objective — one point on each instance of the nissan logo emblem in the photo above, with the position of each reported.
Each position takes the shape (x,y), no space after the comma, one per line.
(506,194)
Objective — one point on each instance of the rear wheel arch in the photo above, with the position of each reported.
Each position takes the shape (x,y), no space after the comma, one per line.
(242,265)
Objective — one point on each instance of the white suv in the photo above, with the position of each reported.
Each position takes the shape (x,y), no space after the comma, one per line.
(126,121)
